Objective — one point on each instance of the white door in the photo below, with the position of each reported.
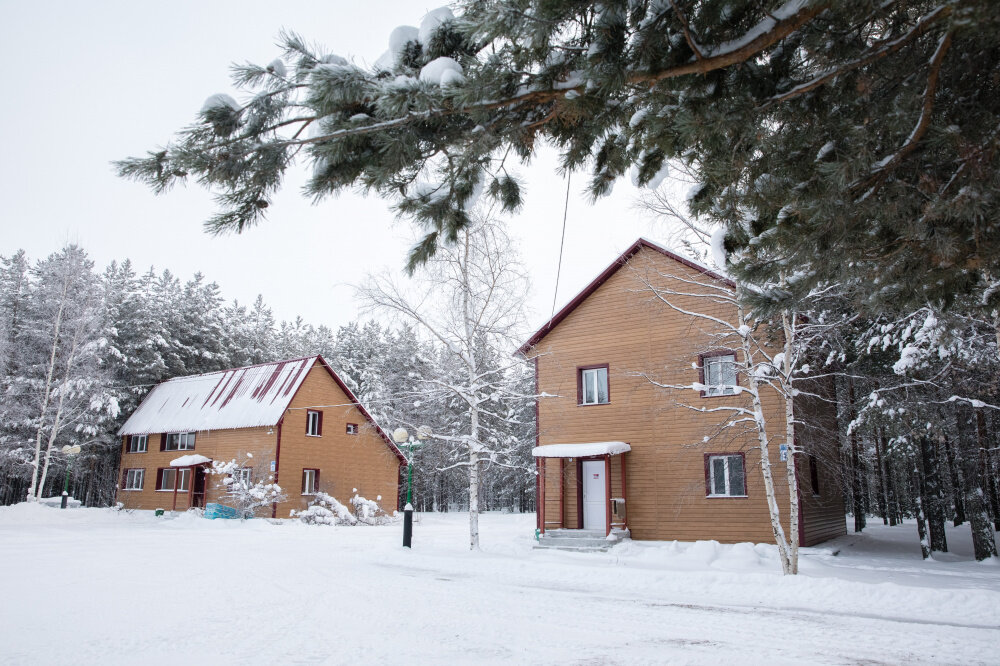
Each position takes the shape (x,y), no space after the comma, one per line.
(595,502)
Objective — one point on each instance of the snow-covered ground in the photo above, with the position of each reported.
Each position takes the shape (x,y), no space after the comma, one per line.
(93,586)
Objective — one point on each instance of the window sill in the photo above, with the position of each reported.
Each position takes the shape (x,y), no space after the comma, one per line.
(719,395)
(132,490)
(308,435)
(726,496)
(592,404)
(170,490)
(134,452)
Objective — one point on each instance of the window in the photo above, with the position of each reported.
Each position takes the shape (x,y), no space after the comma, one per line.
(310,481)
(814,475)
(314,423)
(137,443)
(724,475)
(592,385)
(352,428)
(133,479)
(179,441)
(719,374)
(242,478)
(170,476)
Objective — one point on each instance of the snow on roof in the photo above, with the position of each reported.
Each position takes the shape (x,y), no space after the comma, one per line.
(188,460)
(239,398)
(580,450)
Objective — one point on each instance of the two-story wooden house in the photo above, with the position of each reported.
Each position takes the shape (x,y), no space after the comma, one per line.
(296,419)
(615,450)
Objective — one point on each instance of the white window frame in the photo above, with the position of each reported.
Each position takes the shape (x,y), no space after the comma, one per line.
(313,419)
(182,483)
(727,481)
(138,443)
(243,475)
(311,475)
(352,428)
(710,362)
(183,441)
(134,479)
(592,377)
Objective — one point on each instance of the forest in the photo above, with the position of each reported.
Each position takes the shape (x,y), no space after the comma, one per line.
(81,347)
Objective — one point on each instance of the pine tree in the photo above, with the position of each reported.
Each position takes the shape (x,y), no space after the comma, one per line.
(854,137)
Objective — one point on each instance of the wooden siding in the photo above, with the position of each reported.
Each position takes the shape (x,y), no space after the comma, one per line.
(214,444)
(622,324)
(363,461)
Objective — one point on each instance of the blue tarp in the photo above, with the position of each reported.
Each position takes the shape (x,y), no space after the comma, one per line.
(214,510)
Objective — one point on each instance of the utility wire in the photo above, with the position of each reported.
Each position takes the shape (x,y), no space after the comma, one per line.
(562,242)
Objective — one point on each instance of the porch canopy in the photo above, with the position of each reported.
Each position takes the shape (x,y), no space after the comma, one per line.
(584,450)
(189,460)
(613,507)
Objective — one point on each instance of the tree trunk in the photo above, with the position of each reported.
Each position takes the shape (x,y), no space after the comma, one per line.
(892,492)
(956,483)
(918,509)
(988,473)
(857,493)
(765,462)
(791,468)
(883,502)
(933,495)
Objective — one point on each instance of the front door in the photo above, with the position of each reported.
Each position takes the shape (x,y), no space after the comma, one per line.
(594,501)
(198,487)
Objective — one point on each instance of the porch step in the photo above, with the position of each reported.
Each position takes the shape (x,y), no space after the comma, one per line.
(575,540)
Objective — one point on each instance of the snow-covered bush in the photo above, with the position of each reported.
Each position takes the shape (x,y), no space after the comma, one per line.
(325,510)
(368,512)
(248,488)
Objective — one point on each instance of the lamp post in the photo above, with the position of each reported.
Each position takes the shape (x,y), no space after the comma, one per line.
(403,437)
(70,451)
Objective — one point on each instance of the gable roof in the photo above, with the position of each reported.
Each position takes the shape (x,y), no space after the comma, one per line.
(247,397)
(618,263)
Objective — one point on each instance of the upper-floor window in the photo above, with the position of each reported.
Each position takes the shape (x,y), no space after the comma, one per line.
(725,475)
(133,479)
(720,374)
(314,423)
(180,441)
(592,385)
(352,428)
(138,443)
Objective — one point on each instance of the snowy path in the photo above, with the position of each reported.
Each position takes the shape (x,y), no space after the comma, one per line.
(88,586)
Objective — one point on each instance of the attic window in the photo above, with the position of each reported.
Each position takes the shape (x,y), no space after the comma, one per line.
(138,443)
(314,423)
(352,428)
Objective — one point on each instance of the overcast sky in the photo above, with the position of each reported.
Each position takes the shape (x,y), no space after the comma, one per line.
(86,83)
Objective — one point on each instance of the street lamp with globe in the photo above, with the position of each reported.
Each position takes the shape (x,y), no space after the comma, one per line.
(403,437)
(69,451)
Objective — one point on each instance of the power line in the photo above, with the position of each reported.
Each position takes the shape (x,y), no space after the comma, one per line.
(562,242)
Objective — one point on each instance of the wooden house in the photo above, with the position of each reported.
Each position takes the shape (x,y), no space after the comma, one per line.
(616,451)
(297,420)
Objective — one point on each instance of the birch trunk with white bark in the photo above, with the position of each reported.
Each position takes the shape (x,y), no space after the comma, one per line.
(47,395)
(788,324)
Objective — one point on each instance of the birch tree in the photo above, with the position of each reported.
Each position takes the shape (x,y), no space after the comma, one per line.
(470,300)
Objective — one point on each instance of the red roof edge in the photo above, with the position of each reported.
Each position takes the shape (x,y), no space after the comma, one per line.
(622,259)
(354,401)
